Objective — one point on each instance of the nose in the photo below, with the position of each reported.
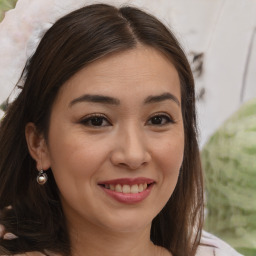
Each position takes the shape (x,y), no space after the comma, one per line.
(130,149)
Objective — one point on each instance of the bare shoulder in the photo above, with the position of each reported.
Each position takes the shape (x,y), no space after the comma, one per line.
(213,246)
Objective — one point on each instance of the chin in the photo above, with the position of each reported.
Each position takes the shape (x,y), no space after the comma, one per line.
(128,221)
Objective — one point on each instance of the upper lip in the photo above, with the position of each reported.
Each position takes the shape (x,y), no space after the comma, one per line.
(127,181)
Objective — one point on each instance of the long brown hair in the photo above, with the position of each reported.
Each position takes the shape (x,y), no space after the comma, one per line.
(73,42)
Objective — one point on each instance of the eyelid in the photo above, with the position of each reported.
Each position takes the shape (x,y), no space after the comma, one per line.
(167,115)
(87,118)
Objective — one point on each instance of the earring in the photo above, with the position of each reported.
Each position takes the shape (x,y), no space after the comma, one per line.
(41,177)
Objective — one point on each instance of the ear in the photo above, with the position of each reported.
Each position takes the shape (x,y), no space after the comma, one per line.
(37,147)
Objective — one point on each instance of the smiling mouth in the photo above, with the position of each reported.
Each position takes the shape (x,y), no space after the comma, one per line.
(126,188)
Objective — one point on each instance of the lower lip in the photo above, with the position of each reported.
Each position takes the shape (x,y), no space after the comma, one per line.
(129,198)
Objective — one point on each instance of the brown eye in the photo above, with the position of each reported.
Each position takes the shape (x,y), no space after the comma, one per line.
(157,120)
(96,120)
(160,120)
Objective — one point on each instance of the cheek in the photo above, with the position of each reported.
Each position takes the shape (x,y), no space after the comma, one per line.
(170,152)
(74,158)
(76,166)
(169,159)
(172,156)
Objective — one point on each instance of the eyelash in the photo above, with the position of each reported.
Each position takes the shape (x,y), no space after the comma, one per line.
(87,121)
(167,118)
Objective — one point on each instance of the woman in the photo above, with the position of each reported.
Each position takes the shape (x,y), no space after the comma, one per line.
(106,115)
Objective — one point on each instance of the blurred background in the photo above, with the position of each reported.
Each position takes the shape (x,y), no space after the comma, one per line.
(219,38)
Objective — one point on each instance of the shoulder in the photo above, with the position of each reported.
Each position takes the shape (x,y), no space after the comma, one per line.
(213,246)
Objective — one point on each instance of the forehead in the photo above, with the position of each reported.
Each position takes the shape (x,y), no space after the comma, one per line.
(136,72)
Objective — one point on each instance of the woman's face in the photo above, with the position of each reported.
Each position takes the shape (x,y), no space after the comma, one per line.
(116,140)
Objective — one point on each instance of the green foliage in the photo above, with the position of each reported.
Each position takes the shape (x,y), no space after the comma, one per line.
(247,251)
(229,162)
(4,105)
(6,5)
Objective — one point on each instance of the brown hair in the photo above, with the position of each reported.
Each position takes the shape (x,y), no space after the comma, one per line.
(73,42)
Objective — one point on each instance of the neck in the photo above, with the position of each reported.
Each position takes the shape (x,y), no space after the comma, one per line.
(98,241)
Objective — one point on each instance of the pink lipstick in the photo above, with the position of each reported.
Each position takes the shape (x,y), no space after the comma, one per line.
(128,190)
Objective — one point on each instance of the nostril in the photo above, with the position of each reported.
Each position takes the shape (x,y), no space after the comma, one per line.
(130,159)
(130,166)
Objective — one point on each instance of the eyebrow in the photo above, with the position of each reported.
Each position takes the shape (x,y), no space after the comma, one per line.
(162,97)
(95,98)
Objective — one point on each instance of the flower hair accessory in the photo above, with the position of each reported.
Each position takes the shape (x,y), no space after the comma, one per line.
(20,33)
(22,29)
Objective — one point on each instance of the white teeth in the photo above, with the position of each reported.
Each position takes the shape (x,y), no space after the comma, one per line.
(134,189)
(141,188)
(118,188)
(127,189)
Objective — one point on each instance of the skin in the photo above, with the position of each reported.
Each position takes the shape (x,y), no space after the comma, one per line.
(128,143)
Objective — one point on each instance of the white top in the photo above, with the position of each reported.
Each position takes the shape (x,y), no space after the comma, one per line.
(215,247)
(212,246)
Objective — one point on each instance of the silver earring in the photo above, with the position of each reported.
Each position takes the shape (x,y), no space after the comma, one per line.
(41,177)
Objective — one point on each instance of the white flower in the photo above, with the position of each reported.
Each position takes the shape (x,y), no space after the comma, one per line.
(20,33)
